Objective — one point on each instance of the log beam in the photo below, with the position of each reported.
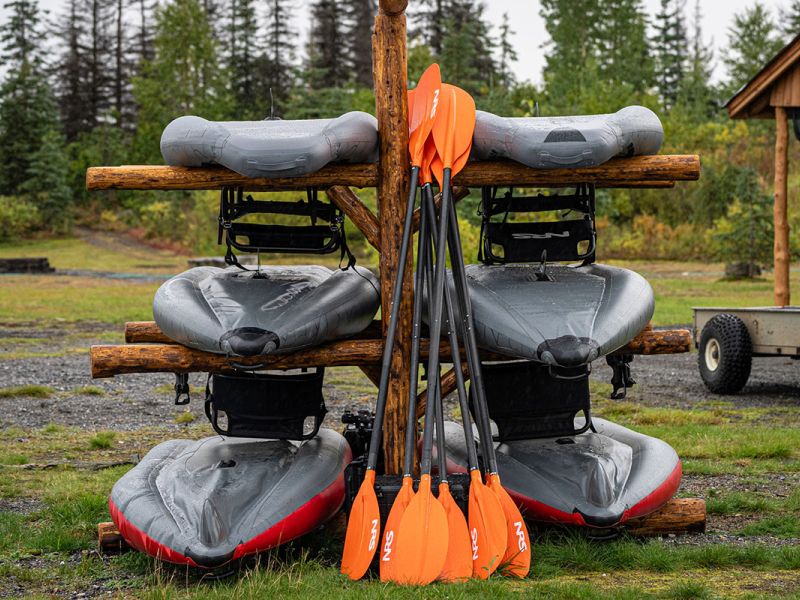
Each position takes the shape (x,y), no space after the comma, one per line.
(459,193)
(781,249)
(361,216)
(678,516)
(637,171)
(109,539)
(389,68)
(447,384)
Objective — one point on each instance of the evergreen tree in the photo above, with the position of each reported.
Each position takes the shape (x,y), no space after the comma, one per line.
(670,49)
(68,73)
(508,55)
(360,15)
(46,184)
(696,92)
(752,41)
(143,37)
(183,78)
(121,78)
(98,60)
(242,52)
(790,21)
(430,20)
(327,47)
(467,49)
(275,68)
(623,52)
(28,116)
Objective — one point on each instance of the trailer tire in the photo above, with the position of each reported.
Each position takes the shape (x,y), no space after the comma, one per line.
(725,354)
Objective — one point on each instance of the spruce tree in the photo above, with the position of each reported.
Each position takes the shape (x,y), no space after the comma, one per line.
(242,52)
(28,116)
(275,69)
(360,15)
(508,54)
(670,49)
(68,74)
(696,92)
(98,60)
(752,41)
(143,36)
(327,46)
(790,21)
(623,52)
(429,20)
(121,76)
(468,48)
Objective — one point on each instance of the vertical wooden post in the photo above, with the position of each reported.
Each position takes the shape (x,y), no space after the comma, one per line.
(781,249)
(391,109)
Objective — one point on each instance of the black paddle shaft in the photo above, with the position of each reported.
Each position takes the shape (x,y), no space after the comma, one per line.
(473,358)
(423,260)
(472,456)
(383,388)
(435,326)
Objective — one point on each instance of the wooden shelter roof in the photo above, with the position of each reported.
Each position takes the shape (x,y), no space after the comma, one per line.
(777,84)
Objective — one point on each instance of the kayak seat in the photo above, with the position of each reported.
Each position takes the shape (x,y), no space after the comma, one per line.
(271,148)
(567,142)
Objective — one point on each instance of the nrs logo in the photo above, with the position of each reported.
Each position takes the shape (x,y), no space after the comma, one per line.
(523,546)
(387,546)
(474,543)
(435,103)
(373,540)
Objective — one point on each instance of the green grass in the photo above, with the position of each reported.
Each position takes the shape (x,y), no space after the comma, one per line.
(27,391)
(185,417)
(76,253)
(102,439)
(89,390)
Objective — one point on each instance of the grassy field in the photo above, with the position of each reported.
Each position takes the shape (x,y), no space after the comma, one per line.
(678,286)
(55,480)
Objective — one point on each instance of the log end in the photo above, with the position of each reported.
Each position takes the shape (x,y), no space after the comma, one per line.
(678,516)
(109,539)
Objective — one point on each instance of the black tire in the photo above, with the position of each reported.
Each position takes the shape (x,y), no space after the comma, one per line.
(725,354)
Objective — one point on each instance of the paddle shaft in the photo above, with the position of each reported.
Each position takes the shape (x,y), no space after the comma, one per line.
(383,388)
(473,358)
(472,456)
(436,297)
(423,258)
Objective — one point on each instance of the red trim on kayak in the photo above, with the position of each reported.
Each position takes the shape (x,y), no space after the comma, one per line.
(658,497)
(313,513)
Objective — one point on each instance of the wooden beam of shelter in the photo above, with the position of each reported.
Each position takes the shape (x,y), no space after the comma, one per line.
(361,216)
(660,170)
(780,209)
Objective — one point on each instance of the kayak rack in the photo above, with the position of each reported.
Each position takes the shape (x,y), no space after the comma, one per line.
(148,351)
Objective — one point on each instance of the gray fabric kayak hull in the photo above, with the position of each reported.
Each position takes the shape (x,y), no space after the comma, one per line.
(592,479)
(567,142)
(271,148)
(275,310)
(581,314)
(207,502)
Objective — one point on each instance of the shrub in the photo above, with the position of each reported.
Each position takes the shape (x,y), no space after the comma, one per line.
(18,217)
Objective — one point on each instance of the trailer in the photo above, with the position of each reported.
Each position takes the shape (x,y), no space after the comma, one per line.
(727,339)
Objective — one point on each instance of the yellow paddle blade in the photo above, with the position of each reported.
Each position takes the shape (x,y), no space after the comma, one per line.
(454,125)
(487,528)
(388,549)
(422,538)
(363,530)
(516,560)
(458,564)
(422,110)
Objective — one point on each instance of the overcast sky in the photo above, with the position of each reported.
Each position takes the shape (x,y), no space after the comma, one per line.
(530,33)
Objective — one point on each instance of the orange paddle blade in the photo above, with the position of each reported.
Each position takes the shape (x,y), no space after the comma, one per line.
(437,169)
(487,527)
(422,538)
(388,550)
(458,564)
(428,157)
(363,530)
(422,111)
(516,560)
(454,125)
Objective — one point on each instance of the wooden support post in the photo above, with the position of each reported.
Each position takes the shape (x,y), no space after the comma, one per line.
(391,109)
(679,515)
(109,539)
(782,294)
(362,217)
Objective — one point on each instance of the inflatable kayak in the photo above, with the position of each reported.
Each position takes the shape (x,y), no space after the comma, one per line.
(270,311)
(592,479)
(567,142)
(205,503)
(272,148)
(563,316)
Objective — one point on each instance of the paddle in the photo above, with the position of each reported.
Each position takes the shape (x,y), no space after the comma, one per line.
(517,548)
(487,523)
(363,526)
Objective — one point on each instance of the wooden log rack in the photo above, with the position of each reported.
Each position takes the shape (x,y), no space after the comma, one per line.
(149,351)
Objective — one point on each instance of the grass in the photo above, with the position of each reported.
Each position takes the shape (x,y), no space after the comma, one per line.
(102,439)
(27,391)
(89,390)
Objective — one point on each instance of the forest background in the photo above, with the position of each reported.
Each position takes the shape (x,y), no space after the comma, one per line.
(96,84)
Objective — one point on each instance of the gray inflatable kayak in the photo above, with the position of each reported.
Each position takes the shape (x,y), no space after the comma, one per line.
(205,503)
(597,479)
(271,148)
(564,142)
(275,310)
(575,316)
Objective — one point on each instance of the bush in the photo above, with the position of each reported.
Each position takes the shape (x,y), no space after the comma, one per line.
(18,217)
